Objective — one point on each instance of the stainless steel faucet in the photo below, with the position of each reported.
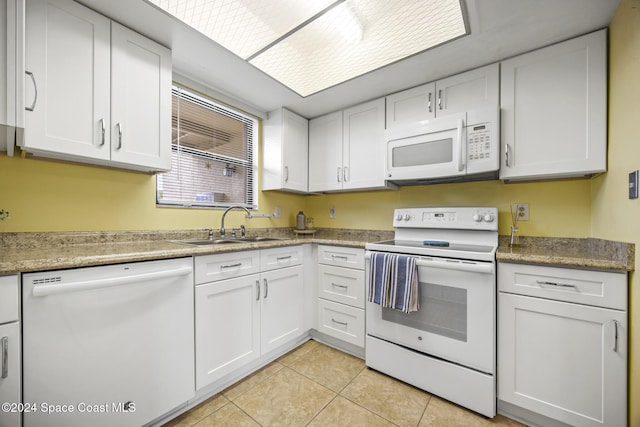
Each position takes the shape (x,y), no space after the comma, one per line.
(224,214)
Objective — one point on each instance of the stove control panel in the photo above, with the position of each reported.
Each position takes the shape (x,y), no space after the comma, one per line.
(464,218)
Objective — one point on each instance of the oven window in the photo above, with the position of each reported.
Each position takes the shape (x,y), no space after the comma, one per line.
(443,311)
(425,153)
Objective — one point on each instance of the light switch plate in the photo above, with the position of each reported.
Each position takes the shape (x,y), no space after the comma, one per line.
(633,185)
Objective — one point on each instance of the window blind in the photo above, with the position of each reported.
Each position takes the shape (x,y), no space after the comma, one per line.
(213,155)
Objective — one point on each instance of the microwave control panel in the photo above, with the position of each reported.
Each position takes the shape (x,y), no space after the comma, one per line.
(479,142)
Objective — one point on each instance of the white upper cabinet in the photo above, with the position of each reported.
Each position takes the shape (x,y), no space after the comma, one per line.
(459,93)
(554,110)
(285,152)
(346,149)
(99,93)
(325,153)
(11,74)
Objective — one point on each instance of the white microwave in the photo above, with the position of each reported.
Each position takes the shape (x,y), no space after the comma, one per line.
(457,147)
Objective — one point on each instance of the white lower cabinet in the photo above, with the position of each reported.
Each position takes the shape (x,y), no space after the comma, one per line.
(559,356)
(10,357)
(341,293)
(240,319)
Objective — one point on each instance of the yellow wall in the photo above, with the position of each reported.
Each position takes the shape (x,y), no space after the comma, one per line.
(614,215)
(44,195)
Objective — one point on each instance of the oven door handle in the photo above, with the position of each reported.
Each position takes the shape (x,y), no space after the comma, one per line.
(473,267)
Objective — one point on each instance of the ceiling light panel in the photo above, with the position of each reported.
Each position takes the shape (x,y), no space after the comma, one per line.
(311,45)
(359,36)
(243,26)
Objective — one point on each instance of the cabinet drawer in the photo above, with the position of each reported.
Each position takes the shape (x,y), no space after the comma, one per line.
(9,301)
(343,285)
(341,256)
(597,288)
(341,321)
(270,259)
(209,268)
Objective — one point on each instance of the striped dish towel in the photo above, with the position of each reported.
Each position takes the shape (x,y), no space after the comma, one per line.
(393,282)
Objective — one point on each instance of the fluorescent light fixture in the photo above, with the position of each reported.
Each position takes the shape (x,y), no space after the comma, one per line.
(311,45)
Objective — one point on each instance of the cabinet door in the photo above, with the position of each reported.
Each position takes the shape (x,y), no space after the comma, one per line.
(325,153)
(11,73)
(10,372)
(554,110)
(295,152)
(227,322)
(363,155)
(68,56)
(411,106)
(564,361)
(467,91)
(140,100)
(281,310)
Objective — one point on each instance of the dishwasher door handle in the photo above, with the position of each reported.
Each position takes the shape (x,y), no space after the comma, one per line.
(44,290)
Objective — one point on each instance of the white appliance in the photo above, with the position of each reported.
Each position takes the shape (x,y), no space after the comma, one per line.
(457,147)
(108,346)
(447,347)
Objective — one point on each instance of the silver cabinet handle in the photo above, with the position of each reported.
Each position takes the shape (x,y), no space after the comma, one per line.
(231,265)
(339,173)
(5,357)
(266,288)
(339,286)
(119,136)
(615,336)
(559,285)
(440,99)
(35,88)
(507,157)
(258,290)
(282,258)
(339,323)
(102,132)
(345,173)
(286,174)
(340,257)
(429,103)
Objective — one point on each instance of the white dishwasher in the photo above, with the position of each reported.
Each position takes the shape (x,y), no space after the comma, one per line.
(107,346)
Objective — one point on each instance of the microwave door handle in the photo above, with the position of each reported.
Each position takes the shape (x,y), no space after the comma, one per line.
(462,150)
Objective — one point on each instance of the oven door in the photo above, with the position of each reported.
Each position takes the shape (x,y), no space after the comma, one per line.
(435,150)
(456,319)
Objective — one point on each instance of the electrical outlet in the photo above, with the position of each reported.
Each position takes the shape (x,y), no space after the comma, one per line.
(332,212)
(522,210)
(278,212)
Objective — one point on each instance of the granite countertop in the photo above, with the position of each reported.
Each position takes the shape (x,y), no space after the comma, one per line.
(589,253)
(26,252)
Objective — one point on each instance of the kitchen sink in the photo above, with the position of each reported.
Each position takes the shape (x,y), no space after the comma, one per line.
(208,242)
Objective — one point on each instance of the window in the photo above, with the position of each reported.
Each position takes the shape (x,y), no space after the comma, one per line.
(213,155)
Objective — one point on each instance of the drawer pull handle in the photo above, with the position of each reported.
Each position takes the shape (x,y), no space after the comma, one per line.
(560,285)
(340,257)
(231,265)
(282,258)
(615,336)
(5,357)
(339,323)
(339,286)
(258,290)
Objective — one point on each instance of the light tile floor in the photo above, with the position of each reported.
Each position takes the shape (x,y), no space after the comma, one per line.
(315,385)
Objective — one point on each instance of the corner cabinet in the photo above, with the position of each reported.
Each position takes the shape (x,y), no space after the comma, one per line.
(285,152)
(10,355)
(347,149)
(96,92)
(562,345)
(554,110)
(459,93)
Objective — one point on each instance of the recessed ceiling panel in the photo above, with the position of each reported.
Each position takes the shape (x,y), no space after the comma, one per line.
(310,45)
